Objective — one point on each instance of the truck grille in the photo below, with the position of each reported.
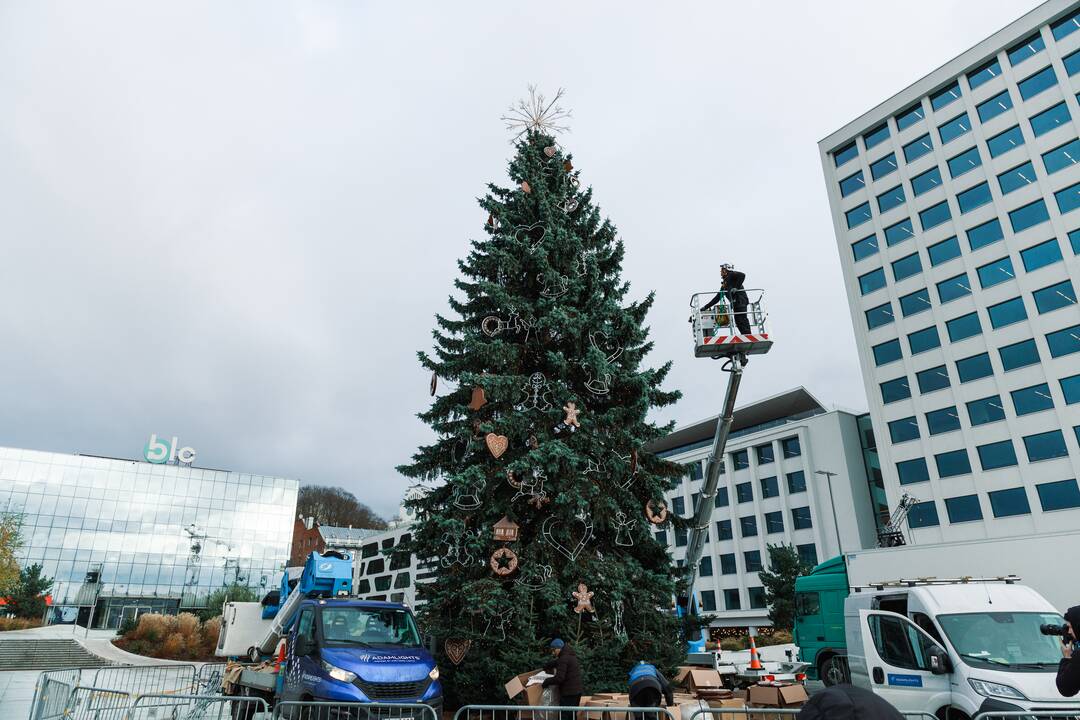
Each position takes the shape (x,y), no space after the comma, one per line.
(380,692)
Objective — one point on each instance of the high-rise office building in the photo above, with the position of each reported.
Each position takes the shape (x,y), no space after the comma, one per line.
(955,207)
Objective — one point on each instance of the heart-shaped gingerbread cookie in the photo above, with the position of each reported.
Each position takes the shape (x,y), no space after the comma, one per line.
(497,444)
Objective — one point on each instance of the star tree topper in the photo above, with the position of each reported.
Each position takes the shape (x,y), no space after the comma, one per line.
(537,115)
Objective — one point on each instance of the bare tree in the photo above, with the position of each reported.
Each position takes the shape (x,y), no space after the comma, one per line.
(336,506)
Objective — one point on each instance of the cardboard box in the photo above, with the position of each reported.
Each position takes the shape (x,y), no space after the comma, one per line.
(777,696)
(698,680)
(530,694)
(733,703)
(680,675)
(602,703)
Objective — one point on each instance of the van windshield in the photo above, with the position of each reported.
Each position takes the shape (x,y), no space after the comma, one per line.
(370,627)
(999,639)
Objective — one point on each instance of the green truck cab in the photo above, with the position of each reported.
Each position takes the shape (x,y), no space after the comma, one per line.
(819,621)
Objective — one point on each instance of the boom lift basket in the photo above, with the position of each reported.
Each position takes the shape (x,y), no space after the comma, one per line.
(716,333)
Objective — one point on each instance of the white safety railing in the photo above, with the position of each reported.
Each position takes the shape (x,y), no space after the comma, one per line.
(721,320)
(354,711)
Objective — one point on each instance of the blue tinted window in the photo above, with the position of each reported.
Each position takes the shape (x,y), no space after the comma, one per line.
(845,153)
(722,499)
(1034,84)
(748,526)
(993,107)
(723,529)
(955,287)
(880,315)
(1072,63)
(1007,313)
(946,96)
(1029,215)
(1045,446)
(1003,142)
(1054,297)
(950,464)
(974,197)
(887,352)
(935,215)
(1070,388)
(800,518)
(727,564)
(986,410)
(904,430)
(890,198)
(1059,495)
(965,161)
(796,482)
(894,390)
(974,367)
(871,281)
(899,232)
(923,514)
(678,505)
(963,327)
(1061,157)
(959,125)
(1020,176)
(931,379)
(984,73)
(909,117)
(1032,399)
(752,559)
(923,340)
(1041,255)
(1066,25)
(883,167)
(1074,240)
(915,303)
(965,508)
(905,267)
(985,234)
(1067,199)
(744,492)
(997,455)
(926,182)
(1050,119)
(942,421)
(740,459)
(1021,52)
(944,251)
(858,215)
(917,148)
(864,248)
(852,183)
(769,487)
(996,272)
(765,454)
(1019,355)
(876,136)
(912,471)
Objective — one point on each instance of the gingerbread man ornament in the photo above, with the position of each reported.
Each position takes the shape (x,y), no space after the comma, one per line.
(584,599)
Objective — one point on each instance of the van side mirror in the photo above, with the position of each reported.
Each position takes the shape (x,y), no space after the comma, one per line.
(939,661)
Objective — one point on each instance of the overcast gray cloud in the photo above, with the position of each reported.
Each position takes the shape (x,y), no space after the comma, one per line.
(233,221)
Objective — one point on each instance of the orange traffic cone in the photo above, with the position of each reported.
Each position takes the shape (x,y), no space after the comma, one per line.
(755,663)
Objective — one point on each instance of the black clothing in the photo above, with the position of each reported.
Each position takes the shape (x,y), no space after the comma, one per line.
(567,674)
(570,701)
(1068,676)
(646,691)
(732,289)
(846,702)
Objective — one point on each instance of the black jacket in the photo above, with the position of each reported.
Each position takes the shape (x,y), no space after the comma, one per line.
(846,702)
(732,288)
(1068,677)
(658,684)
(567,673)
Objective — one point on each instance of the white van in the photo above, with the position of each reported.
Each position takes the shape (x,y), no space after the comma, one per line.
(955,648)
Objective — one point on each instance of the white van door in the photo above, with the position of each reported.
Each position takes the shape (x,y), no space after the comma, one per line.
(899,663)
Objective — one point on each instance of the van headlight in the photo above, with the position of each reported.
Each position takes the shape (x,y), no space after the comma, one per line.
(993,689)
(337,673)
(434,674)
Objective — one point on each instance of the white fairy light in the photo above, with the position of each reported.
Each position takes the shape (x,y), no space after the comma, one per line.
(537,115)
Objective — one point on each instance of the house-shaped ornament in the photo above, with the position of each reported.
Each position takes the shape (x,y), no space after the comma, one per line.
(506,530)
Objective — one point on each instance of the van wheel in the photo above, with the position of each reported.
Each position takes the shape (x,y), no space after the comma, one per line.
(951,713)
(834,671)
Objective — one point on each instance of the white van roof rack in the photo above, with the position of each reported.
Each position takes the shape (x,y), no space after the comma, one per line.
(915,582)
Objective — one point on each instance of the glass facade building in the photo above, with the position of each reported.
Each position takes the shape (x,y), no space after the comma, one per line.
(963,284)
(122,537)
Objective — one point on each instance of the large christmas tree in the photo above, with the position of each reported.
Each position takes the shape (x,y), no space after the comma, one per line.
(542,515)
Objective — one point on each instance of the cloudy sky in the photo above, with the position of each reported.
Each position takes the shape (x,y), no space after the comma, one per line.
(233,222)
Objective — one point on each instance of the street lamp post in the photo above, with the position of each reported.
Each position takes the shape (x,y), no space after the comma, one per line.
(832,503)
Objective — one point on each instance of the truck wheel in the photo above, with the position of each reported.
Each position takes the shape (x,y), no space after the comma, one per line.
(834,671)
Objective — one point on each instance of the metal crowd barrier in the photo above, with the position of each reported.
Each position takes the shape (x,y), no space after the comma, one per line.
(143,679)
(1065,713)
(772,713)
(552,712)
(159,706)
(51,693)
(353,711)
(208,680)
(93,703)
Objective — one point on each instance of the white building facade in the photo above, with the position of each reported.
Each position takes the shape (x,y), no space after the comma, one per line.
(771,493)
(382,574)
(955,206)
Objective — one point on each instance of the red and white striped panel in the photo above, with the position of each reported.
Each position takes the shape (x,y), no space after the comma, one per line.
(733,339)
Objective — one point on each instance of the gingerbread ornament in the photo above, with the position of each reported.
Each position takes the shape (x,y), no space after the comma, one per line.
(456,648)
(570,423)
(478,399)
(525,187)
(550,151)
(584,599)
(504,561)
(496,444)
(656,512)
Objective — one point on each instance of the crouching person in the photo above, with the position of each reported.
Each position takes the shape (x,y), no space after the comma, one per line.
(647,685)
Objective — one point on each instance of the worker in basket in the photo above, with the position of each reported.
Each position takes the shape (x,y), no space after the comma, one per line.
(731,288)
(647,684)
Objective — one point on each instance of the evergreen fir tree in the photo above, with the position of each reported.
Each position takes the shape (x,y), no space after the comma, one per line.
(543,328)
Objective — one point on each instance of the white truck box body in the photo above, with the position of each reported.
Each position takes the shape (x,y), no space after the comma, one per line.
(1043,562)
(242,627)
